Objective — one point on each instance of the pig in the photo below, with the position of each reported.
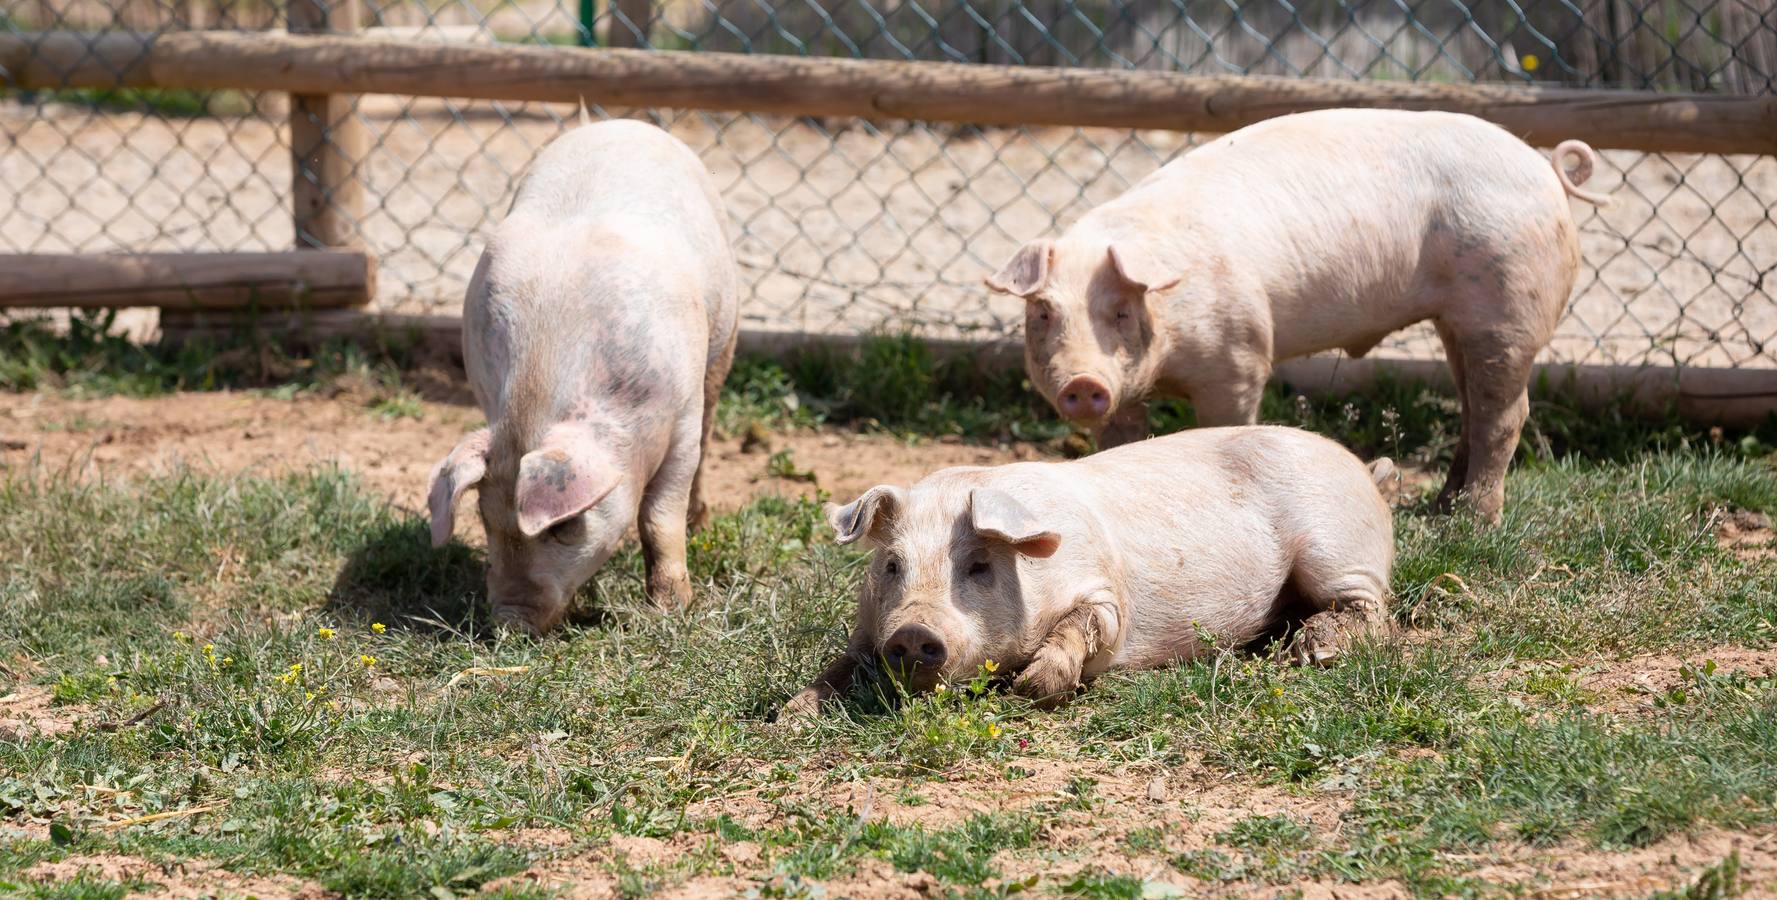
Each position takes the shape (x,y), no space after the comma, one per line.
(1132,558)
(1323,230)
(598,328)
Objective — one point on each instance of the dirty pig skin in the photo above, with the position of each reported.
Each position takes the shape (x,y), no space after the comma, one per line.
(1317,231)
(1126,559)
(597,331)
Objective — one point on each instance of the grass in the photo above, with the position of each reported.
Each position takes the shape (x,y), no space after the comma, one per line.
(892,384)
(172,103)
(233,623)
(285,667)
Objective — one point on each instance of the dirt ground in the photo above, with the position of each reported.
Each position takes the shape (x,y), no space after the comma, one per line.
(243,432)
(840,226)
(1191,803)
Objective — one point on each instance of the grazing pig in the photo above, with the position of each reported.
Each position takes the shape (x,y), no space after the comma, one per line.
(1317,231)
(1121,560)
(597,331)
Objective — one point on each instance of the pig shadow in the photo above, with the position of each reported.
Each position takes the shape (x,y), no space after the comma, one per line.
(396,577)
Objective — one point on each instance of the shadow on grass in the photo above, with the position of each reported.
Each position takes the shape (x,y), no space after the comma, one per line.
(397,577)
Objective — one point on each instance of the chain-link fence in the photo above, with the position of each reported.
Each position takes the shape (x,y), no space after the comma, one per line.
(848,225)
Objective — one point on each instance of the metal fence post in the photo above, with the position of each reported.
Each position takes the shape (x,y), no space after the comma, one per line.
(589,14)
(326,143)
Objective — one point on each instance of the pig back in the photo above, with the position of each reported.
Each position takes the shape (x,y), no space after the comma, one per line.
(636,180)
(1207,526)
(1337,218)
(611,266)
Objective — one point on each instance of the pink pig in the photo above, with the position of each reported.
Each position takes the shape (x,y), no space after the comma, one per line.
(597,331)
(1127,559)
(1316,231)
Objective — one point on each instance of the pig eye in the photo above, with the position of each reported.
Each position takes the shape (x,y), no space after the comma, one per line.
(978,568)
(1123,315)
(892,567)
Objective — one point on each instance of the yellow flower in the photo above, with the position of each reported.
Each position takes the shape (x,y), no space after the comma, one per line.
(209,648)
(325,633)
(180,637)
(295,667)
(991,666)
(993,730)
(310,695)
(1529,62)
(367,659)
(940,688)
(1276,691)
(378,627)
(227,661)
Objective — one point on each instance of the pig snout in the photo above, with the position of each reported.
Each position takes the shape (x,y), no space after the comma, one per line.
(526,606)
(1084,399)
(917,653)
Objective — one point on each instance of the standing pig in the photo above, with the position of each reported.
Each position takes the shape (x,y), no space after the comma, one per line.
(597,331)
(1317,231)
(1121,560)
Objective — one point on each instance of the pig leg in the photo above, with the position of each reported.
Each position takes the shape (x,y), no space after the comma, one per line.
(699,514)
(1497,369)
(1458,476)
(1053,674)
(834,680)
(1129,425)
(1234,401)
(1351,602)
(662,520)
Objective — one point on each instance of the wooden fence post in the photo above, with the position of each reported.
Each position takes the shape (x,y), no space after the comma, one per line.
(640,15)
(326,143)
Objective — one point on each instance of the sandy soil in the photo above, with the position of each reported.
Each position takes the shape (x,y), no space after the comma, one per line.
(243,432)
(841,226)
(1191,805)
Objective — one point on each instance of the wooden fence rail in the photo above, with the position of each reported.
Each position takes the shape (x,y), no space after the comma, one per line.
(188,281)
(816,86)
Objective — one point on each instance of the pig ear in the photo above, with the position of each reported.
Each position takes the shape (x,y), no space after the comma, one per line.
(1026,272)
(566,475)
(874,509)
(1139,270)
(451,478)
(996,514)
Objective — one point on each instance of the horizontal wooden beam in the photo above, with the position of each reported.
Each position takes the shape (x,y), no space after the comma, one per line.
(1707,396)
(305,278)
(1704,395)
(872,89)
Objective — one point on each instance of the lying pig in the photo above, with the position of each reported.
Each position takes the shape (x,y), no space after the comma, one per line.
(1317,231)
(1121,560)
(597,331)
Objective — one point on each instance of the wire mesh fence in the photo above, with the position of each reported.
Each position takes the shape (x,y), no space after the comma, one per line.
(850,225)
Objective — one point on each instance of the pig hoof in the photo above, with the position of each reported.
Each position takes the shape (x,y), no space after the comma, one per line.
(1048,681)
(670,593)
(1317,643)
(803,706)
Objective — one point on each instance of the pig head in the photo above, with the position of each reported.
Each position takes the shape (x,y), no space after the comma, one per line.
(555,509)
(963,572)
(1090,334)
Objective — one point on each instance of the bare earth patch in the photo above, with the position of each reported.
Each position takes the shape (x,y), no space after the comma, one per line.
(1747,535)
(244,432)
(28,710)
(1674,863)
(190,879)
